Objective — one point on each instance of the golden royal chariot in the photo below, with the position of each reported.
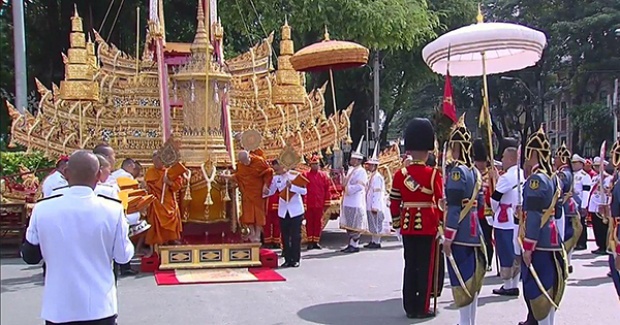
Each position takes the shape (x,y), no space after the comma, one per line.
(109,96)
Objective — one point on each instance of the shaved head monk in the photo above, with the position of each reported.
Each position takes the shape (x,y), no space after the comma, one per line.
(163,215)
(253,175)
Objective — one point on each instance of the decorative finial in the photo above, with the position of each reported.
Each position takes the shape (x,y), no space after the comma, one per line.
(285,20)
(480,17)
(201,37)
(461,121)
(75,11)
(326,35)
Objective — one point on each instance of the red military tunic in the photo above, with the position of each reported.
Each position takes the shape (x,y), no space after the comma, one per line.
(416,191)
(485,209)
(317,198)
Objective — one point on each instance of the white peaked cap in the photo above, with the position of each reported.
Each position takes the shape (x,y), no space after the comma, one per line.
(374,159)
(358,152)
(578,158)
(597,161)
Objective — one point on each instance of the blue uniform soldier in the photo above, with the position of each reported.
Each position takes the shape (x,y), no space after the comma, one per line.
(543,269)
(464,246)
(570,207)
(613,245)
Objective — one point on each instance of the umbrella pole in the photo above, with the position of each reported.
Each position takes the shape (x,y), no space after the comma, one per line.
(487,112)
(331,82)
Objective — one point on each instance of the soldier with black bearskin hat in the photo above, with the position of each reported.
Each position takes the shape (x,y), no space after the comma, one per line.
(485,213)
(414,204)
(544,265)
(463,243)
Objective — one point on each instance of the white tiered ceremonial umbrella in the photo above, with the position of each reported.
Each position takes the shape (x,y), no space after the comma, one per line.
(485,48)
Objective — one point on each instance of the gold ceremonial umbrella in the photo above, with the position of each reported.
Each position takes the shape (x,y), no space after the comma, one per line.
(330,55)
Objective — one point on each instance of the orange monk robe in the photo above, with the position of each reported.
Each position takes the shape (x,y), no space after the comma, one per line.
(251,179)
(165,219)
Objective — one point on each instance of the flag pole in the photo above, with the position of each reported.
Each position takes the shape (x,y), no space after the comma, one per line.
(485,114)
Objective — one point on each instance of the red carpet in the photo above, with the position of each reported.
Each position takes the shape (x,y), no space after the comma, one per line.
(232,275)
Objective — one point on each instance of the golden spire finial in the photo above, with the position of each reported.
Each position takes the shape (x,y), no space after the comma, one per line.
(201,38)
(285,20)
(480,17)
(326,35)
(75,11)
(461,121)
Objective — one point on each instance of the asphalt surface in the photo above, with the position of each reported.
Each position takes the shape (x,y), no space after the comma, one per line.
(328,288)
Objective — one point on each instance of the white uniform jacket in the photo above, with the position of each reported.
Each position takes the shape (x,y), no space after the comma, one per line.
(295,206)
(582,186)
(596,197)
(53,181)
(506,198)
(79,234)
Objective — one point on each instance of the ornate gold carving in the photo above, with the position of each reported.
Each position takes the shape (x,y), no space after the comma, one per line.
(77,40)
(78,72)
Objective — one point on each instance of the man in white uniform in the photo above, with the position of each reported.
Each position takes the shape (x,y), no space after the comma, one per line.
(595,200)
(56,179)
(504,202)
(128,169)
(87,232)
(582,185)
(353,209)
(291,212)
(376,206)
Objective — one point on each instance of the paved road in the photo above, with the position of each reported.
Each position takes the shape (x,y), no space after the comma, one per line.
(329,288)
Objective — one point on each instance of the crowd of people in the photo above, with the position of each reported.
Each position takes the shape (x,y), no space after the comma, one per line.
(529,212)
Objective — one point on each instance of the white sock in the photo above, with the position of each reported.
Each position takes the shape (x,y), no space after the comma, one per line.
(515,280)
(569,257)
(508,284)
(354,241)
(376,239)
(549,320)
(474,308)
(465,315)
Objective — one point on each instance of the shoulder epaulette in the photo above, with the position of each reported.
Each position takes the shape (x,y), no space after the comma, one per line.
(49,197)
(109,198)
(59,188)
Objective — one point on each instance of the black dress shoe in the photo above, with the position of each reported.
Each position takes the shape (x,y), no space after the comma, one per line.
(129,272)
(506,292)
(599,252)
(430,314)
(317,246)
(294,264)
(310,247)
(609,274)
(570,269)
(285,264)
(411,316)
(578,248)
(350,249)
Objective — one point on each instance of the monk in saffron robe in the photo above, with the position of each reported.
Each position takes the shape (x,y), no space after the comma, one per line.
(253,175)
(164,218)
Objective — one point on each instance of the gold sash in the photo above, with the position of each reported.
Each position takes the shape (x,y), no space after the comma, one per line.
(473,199)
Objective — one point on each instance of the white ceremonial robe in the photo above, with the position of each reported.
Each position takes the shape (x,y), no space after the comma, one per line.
(353,208)
(378,223)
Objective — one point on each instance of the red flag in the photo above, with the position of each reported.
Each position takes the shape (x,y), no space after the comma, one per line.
(449,109)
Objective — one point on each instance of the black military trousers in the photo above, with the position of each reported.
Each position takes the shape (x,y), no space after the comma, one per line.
(291,237)
(583,239)
(487,231)
(600,231)
(105,321)
(417,280)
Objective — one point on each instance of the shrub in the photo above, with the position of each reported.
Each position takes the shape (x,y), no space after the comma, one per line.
(35,161)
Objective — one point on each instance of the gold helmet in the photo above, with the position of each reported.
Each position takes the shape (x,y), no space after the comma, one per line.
(615,154)
(461,136)
(563,154)
(538,142)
